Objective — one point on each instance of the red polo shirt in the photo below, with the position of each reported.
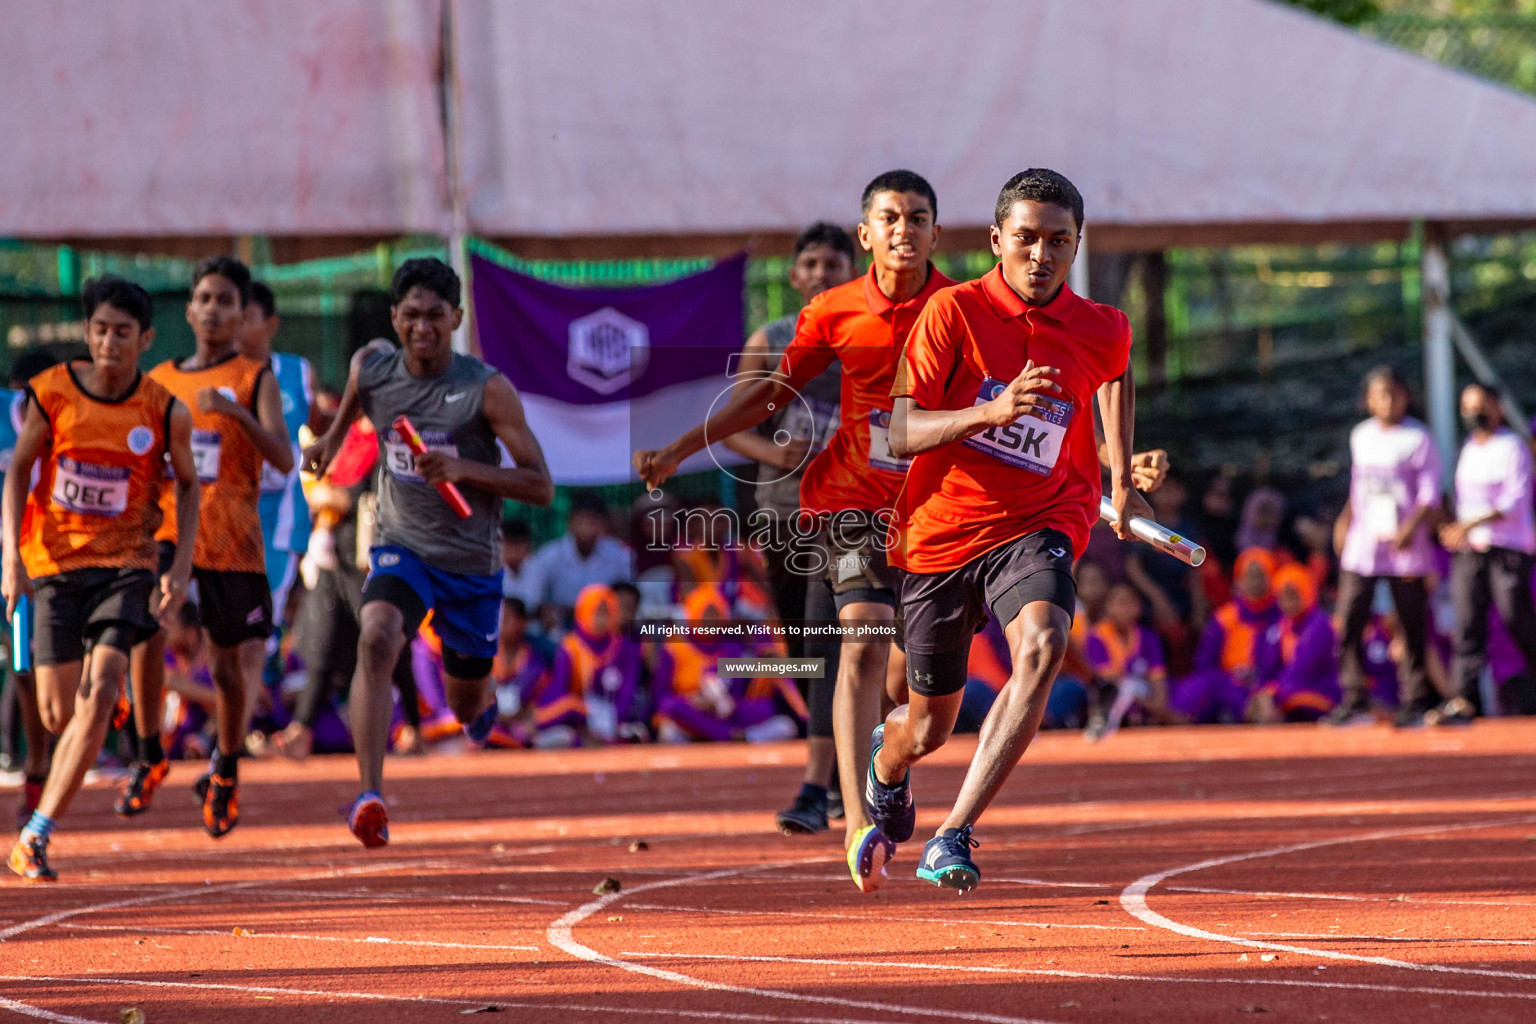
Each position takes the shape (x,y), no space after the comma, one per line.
(857,325)
(1039,472)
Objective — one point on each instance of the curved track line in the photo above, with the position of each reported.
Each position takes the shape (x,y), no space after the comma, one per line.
(1134,900)
(1047,972)
(559,935)
(28,1010)
(431,1000)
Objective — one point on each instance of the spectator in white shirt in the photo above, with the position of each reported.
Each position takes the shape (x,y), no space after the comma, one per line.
(516,547)
(585,554)
(1494,540)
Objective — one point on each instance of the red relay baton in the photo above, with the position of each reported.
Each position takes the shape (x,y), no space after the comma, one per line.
(407,431)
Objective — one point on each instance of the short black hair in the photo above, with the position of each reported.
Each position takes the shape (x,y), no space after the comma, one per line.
(625,587)
(121,294)
(263,297)
(824,233)
(516,605)
(590,502)
(431,274)
(515,529)
(228,268)
(899,181)
(1387,374)
(31,362)
(1040,185)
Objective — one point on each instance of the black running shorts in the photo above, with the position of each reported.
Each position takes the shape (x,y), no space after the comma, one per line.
(74,611)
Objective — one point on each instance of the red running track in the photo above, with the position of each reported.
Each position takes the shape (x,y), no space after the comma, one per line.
(1194,875)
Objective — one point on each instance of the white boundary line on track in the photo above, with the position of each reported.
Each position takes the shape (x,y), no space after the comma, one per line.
(376,940)
(1502,904)
(860,917)
(1393,938)
(33,1011)
(1100,975)
(1134,899)
(559,934)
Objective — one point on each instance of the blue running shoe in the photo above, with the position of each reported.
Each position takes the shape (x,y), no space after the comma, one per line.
(479,730)
(369,820)
(889,807)
(867,857)
(947,860)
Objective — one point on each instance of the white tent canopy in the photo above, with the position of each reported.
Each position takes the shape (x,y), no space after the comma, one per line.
(1183,121)
(180,118)
(612,117)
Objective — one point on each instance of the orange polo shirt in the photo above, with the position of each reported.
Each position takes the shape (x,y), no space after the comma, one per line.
(1040,472)
(858,326)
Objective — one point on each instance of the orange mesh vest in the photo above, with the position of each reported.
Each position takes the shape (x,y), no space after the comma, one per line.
(228,466)
(95,501)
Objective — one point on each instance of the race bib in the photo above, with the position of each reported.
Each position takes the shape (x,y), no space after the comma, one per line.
(206,445)
(402,462)
(880,454)
(1031,442)
(93,490)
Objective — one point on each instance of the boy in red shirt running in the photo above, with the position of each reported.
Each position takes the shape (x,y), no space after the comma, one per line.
(993,407)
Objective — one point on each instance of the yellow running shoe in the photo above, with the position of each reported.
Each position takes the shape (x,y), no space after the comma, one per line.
(867,857)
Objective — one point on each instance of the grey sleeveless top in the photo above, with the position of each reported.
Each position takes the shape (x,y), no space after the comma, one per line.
(448,412)
(814,416)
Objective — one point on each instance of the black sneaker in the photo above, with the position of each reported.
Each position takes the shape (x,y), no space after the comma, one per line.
(221,808)
(1456,711)
(890,808)
(143,780)
(1349,712)
(807,815)
(947,860)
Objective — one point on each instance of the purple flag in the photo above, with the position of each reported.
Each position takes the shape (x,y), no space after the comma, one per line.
(603,371)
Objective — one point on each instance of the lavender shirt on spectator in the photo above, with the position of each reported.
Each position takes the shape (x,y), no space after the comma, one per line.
(1495,475)
(1393,470)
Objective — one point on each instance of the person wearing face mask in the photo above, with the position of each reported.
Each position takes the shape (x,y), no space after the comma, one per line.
(1383,534)
(1494,543)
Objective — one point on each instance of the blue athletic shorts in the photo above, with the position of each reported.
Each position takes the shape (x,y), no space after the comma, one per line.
(466,609)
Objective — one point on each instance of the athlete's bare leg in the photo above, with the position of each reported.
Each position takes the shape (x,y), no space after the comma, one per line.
(236,674)
(32,729)
(467,698)
(856,706)
(88,690)
(147,680)
(372,699)
(1037,641)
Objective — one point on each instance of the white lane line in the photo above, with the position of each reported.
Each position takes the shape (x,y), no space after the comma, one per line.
(1049,884)
(373,997)
(1394,938)
(1503,904)
(372,897)
(253,934)
(560,936)
(27,1010)
(1134,899)
(820,914)
(1169,979)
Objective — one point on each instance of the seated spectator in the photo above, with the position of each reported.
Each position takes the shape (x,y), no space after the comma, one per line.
(1169,586)
(1296,663)
(593,693)
(629,605)
(519,671)
(710,554)
(189,691)
(1222,682)
(694,703)
(1129,673)
(584,555)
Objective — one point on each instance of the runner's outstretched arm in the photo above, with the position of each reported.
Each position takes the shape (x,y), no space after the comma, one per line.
(30,440)
(527,481)
(318,456)
(748,407)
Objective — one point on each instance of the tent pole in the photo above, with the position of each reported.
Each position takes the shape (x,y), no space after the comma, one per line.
(1439,355)
(458,238)
(1078,278)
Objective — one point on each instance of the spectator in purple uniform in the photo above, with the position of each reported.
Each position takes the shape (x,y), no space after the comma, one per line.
(1295,661)
(1383,534)
(1494,540)
(1224,676)
(1127,662)
(593,694)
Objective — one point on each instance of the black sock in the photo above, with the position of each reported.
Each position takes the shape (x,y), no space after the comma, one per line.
(149,749)
(226,766)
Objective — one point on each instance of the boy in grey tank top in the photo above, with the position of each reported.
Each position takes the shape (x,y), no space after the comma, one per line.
(424,556)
